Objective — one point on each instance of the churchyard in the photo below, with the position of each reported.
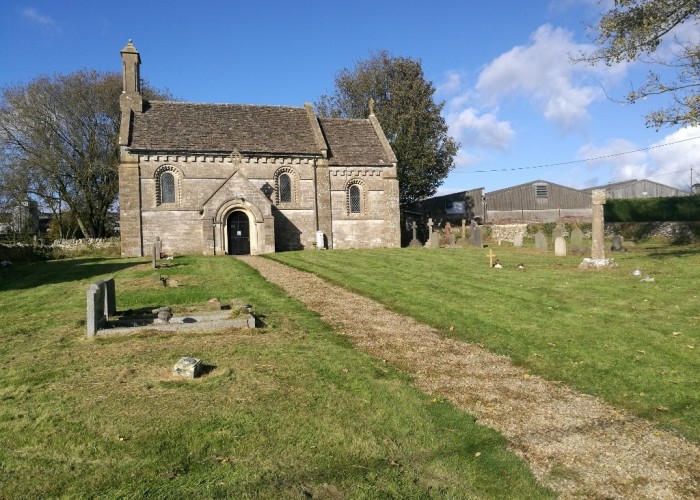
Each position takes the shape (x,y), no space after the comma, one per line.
(292,409)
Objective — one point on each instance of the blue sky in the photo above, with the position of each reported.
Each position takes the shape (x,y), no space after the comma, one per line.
(513,99)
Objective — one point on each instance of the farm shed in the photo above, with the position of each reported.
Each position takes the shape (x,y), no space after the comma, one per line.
(450,208)
(537,201)
(643,188)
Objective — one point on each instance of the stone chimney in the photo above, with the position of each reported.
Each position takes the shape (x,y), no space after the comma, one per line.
(131,100)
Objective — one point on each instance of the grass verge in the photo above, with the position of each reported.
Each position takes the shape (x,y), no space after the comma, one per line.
(606,333)
(288,411)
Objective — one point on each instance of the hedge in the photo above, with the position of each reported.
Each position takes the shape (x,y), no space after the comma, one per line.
(673,209)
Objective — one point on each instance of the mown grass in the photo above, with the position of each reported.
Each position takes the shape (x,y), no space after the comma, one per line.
(289,411)
(606,333)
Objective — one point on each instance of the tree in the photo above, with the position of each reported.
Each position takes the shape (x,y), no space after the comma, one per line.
(633,30)
(408,114)
(59,144)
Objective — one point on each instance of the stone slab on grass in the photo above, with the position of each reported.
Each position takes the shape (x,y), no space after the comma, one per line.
(188,367)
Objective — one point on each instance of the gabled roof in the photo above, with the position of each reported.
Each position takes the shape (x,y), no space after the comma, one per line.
(353,142)
(188,127)
(630,182)
(539,181)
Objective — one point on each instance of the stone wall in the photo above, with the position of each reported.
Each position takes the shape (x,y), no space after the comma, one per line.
(507,232)
(205,184)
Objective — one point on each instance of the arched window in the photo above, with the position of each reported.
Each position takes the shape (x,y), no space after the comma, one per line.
(355,199)
(285,188)
(167,187)
(286,185)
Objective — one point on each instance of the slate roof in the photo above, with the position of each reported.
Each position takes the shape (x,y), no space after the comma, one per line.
(201,128)
(353,142)
(183,127)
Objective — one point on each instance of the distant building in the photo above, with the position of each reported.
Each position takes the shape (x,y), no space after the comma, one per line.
(634,188)
(452,208)
(537,201)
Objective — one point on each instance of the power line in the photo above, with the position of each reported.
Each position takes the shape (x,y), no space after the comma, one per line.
(612,155)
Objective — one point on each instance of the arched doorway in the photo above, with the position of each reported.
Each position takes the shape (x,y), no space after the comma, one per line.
(238,228)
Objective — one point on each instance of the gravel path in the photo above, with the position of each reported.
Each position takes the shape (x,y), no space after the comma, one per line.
(574,443)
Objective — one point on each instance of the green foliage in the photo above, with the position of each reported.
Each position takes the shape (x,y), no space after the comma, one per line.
(289,411)
(605,333)
(633,29)
(407,112)
(677,209)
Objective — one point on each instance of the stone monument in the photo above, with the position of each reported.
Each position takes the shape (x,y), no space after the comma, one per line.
(597,259)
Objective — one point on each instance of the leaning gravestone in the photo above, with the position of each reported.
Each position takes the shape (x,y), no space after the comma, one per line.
(540,242)
(616,243)
(475,238)
(560,246)
(577,240)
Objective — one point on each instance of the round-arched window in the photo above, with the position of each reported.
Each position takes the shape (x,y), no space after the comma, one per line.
(285,188)
(355,199)
(167,187)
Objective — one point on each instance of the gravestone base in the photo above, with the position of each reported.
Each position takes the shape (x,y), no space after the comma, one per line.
(188,367)
(597,263)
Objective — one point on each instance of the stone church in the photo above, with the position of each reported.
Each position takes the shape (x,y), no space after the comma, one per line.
(236,179)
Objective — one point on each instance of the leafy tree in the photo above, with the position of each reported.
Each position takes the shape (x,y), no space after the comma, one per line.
(633,30)
(407,112)
(59,144)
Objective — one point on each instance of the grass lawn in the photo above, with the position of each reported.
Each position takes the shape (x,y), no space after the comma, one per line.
(289,411)
(606,333)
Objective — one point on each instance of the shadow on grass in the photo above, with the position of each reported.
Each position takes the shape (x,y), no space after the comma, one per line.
(661,253)
(22,276)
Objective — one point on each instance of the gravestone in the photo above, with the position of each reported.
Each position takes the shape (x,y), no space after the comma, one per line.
(475,238)
(429,243)
(96,317)
(560,246)
(540,242)
(154,256)
(188,367)
(577,240)
(616,243)
(518,240)
(557,232)
(159,247)
(463,239)
(435,240)
(448,233)
(414,241)
(101,303)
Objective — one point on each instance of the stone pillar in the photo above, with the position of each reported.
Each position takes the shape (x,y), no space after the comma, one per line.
(323,200)
(130,205)
(392,223)
(598,227)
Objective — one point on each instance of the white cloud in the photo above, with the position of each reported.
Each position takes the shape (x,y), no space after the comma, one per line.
(452,84)
(542,73)
(673,161)
(630,165)
(667,161)
(485,130)
(34,16)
